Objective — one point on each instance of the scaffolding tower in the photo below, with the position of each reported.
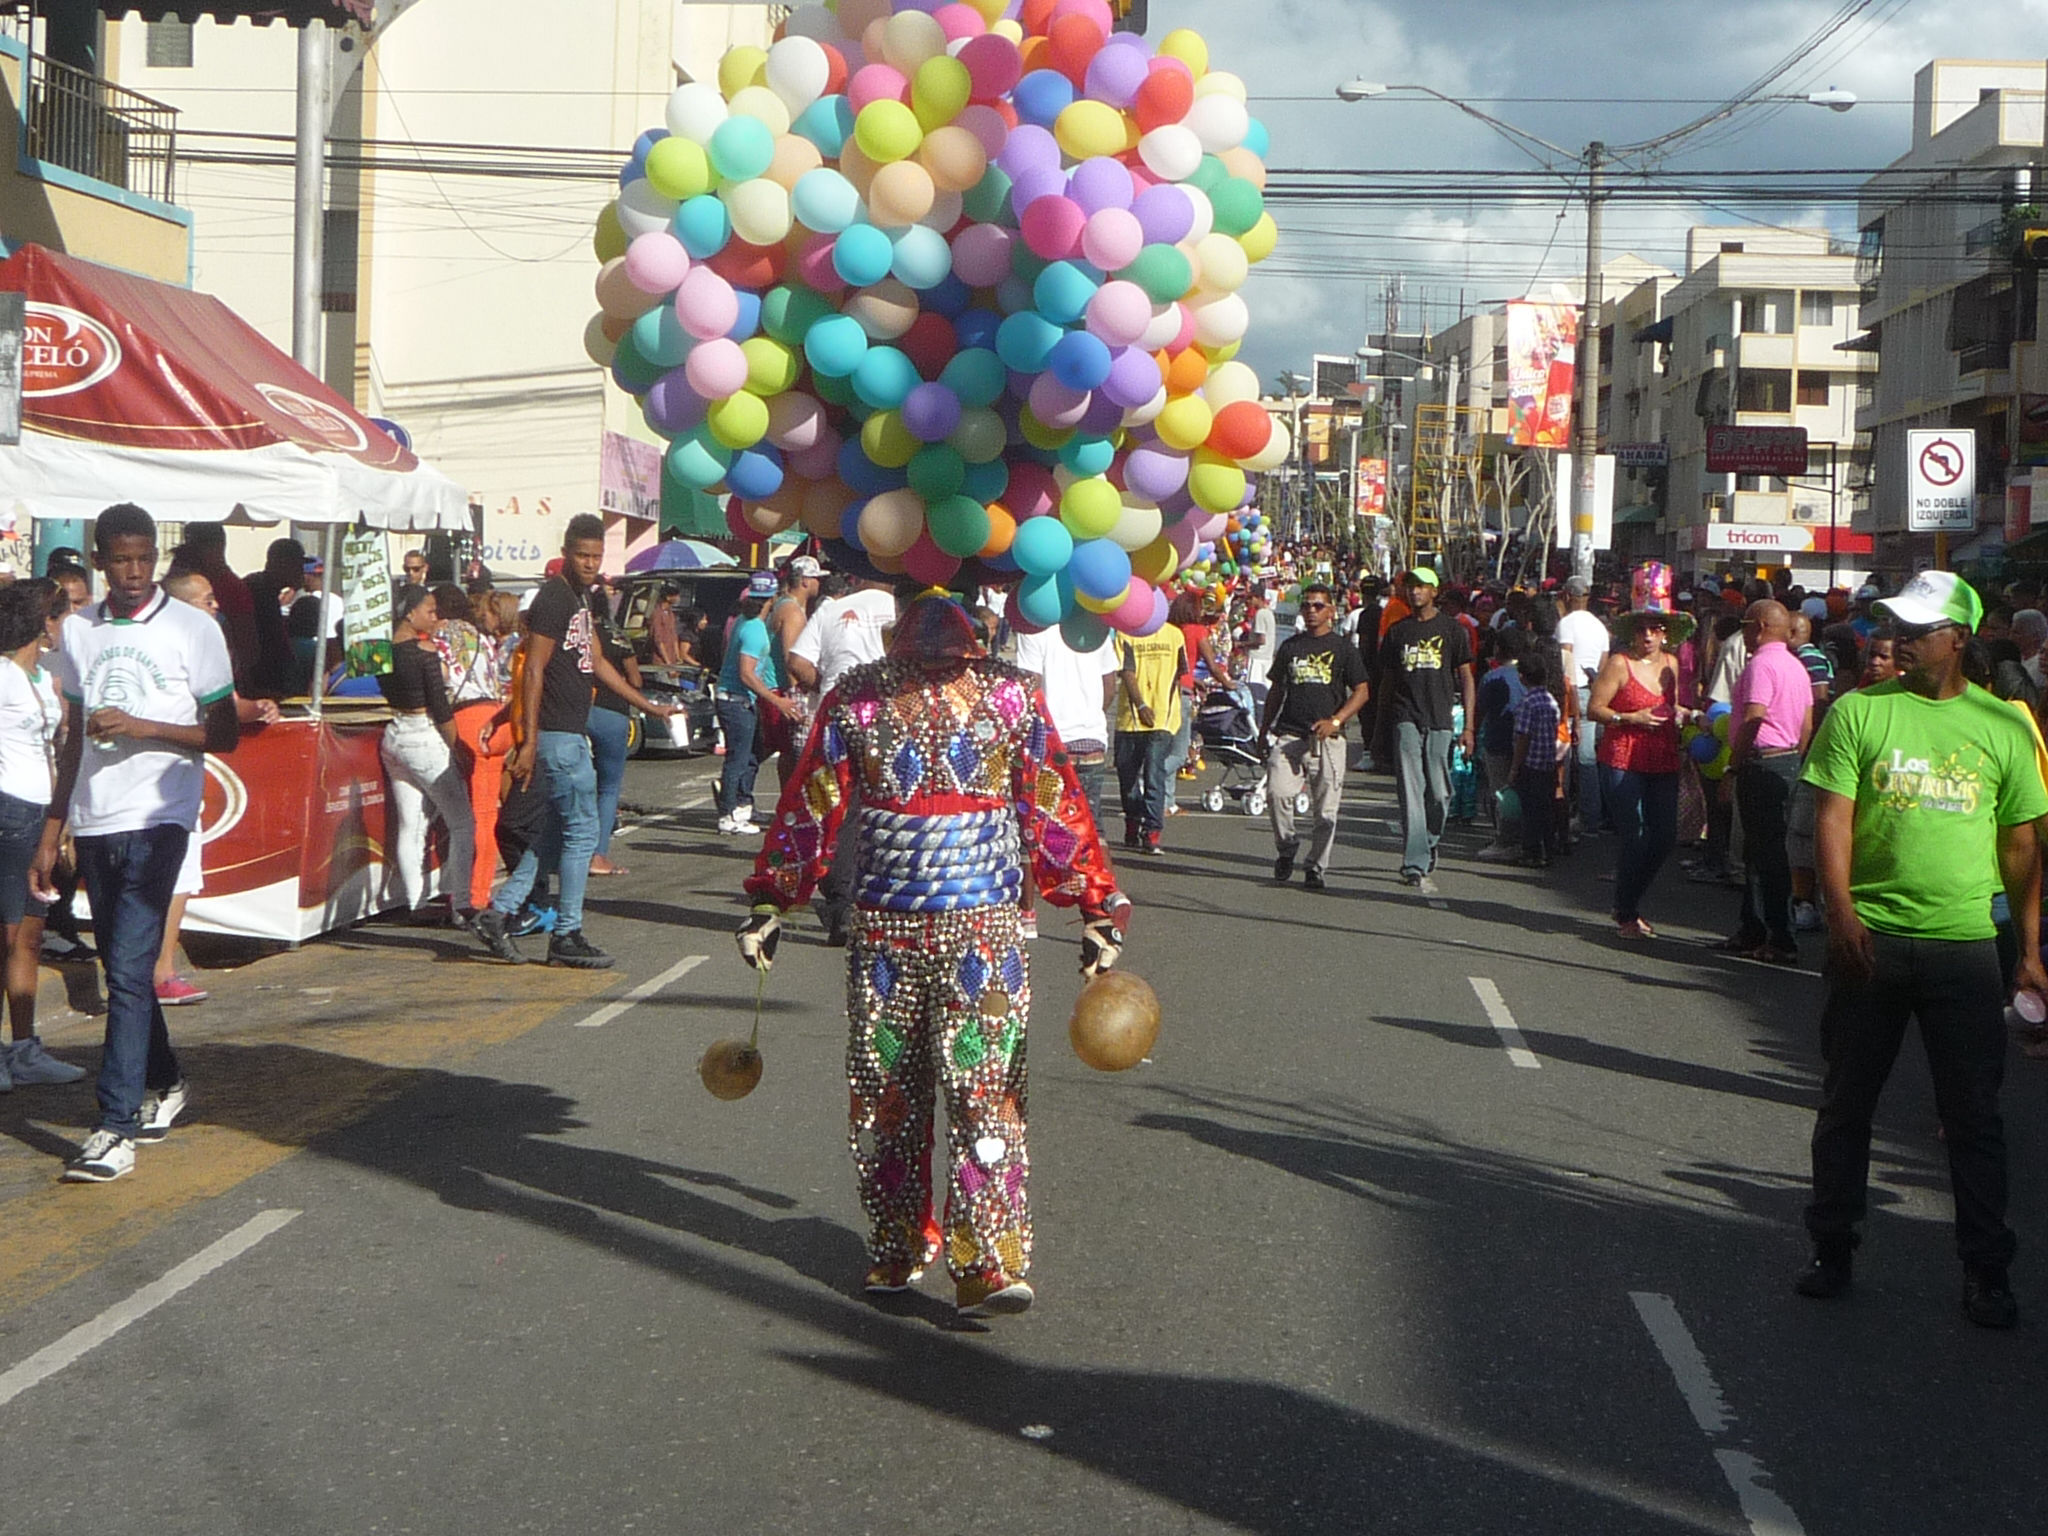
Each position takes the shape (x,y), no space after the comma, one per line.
(1445,525)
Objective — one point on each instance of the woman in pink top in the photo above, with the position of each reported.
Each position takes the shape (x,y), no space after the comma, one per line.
(1635,701)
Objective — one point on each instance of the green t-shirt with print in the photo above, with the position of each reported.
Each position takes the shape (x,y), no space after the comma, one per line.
(1933,780)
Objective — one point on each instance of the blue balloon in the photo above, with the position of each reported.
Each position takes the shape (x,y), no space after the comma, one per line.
(1039,598)
(1062,292)
(1703,748)
(1257,139)
(827,123)
(703,225)
(923,260)
(755,474)
(976,375)
(884,378)
(1079,360)
(861,255)
(749,323)
(987,482)
(824,200)
(976,328)
(849,526)
(1042,547)
(862,475)
(1087,456)
(660,338)
(1027,339)
(1099,569)
(835,345)
(1042,96)
(1716,711)
(949,296)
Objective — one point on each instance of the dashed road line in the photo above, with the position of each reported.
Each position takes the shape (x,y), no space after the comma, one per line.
(641,993)
(88,1336)
(1504,1024)
(1766,1511)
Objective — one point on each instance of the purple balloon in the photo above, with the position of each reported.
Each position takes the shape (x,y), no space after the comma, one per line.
(1043,181)
(1055,404)
(1104,416)
(1152,471)
(1133,377)
(1100,183)
(1176,505)
(1181,536)
(1115,74)
(671,406)
(1164,213)
(931,412)
(1017,387)
(1157,622)
(1032,148)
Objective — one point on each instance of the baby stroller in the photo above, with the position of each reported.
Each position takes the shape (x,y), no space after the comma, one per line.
(1224,723)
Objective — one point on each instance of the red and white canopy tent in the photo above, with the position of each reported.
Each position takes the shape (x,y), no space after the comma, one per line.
(136,391)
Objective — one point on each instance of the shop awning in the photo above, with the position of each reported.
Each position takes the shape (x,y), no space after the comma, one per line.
(1657,330)
(134,390)
(295,13)
(1642,513)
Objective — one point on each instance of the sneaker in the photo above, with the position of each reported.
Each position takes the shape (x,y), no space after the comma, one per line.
(1826,1277)
(892,1279)
(1988,1300)
(105,1157)
(994,1295)
(1283,865)
(744,827)
(1498,853)
(1150,846)
(160,1109)
(1313,881)
(727,825)
(743,816)
(64,950)
(529,920)
(1805,917)
(177,992)
(577,952)
(28,1064)
(1411,877)
(1027,926)
(491,928)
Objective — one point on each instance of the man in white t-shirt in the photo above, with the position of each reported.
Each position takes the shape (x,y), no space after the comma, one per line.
(1079,688)
(148,692)
(843,633)
(1583,640)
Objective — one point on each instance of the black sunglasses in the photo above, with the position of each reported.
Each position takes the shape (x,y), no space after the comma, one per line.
(1305,607)
(1922,631)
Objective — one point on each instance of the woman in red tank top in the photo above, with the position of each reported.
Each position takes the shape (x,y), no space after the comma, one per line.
(1635,699)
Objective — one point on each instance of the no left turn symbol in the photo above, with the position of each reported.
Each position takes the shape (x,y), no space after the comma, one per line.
(1941,463)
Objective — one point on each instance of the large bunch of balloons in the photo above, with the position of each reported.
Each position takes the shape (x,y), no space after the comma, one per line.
(955,287)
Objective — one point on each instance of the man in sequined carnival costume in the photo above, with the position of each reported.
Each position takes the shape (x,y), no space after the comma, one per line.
(963,790)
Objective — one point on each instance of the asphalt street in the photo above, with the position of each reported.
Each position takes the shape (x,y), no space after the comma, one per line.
(1428,1215)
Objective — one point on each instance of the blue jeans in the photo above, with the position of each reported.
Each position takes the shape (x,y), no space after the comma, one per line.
(736,712)
(568,840)
(1422,770)
(608,730)
(1645,807)
(1591,777)
(1182,749)
(129,879)
(1141,777)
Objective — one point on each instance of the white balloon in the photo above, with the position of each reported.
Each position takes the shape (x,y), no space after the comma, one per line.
(1224,321)
(798,67)
(1137,525)
(1221,263)
(1274,454)
(1164,327)
(1229,383)
(1221,82)
(758,101)
(695,111)
(1220,122)
(642,210)
(1172,152)
(1205,218)
(1140,415)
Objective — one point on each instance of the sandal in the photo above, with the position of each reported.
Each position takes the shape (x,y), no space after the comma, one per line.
(1635,928)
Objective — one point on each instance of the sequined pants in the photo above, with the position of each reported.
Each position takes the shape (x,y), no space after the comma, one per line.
(938,1002)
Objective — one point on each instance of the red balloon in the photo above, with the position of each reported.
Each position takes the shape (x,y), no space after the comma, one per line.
(736,521)
(1032,492)
(1036,16)
(928,563)
(1165,96)
(751,266)
(1072,42)
(835,70)
(931,343)
(1241,429)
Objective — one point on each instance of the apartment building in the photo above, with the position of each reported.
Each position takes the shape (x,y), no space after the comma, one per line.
(1756,329)
(1946,308)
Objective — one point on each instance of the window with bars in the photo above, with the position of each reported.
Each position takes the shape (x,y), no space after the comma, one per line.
(168,43)
(1813,388)
(340,228)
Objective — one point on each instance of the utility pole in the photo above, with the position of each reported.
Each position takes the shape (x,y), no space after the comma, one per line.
(1586,425)
(309,195)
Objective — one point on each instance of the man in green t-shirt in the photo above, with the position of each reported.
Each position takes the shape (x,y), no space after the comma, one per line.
(1927,794)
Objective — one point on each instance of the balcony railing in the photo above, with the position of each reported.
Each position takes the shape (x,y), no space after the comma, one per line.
(85,124)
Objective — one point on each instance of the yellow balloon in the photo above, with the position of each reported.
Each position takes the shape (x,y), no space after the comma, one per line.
(762,104)
(1089,128)
(1219,83)
(1156,562)
(938,91)
(991,10)
(771,366)
(1215,483)
(739,422)
(1275,453)
(609,241)
(889,443)
(1103,604)
(759,210)
(678,167)
(887,131)
(741,67)
(1224,354)
(1222,262)
(1038,434)
(1187,46)
(1230,383)
(1259,240)
(1185,422)
(1090,508)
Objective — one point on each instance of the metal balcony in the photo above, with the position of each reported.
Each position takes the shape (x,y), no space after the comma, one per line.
(82,123)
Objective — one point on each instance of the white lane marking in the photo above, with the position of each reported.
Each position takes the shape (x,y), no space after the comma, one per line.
(1504,1024)
(641,993)
(1767,1513)
(696,802)
(1441,906)
(86,1337)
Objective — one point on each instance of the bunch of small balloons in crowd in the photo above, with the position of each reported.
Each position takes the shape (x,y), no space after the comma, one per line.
(954,287)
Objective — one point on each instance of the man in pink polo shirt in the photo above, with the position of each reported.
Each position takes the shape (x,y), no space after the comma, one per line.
(1772,709)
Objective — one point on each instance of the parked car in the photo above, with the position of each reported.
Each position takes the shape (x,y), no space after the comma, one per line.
(716,593)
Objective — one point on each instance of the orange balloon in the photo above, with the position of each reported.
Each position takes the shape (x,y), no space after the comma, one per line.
(1241,429)
(1189,372)
(1036,52)
(1242,163)
(1002,531)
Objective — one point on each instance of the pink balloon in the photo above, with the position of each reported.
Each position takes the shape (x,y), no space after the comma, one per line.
(986,124)
(657,263)
(796,421)
(1135,611)
(1052,227)
(876,82)
(981,255)
(1112,238)
(1033,492)
(1119,311)
(993,66)
(925,561)
(716,369)
(1185,336)
(815,267)
(1096,11)
(960,21)
(1213,527)
(1055,404)
(1157,622)
(706,304)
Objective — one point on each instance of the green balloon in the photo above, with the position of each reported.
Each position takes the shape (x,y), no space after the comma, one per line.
(835,391)
(1210,174)
(937,472)
(1163,271)
(959,525)
(790,310)
(989,198)
(1238,206)
(634,370)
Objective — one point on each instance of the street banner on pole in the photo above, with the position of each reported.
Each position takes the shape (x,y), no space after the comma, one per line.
(1603,501)
(1941,480)
(1371,497)
(1543,346)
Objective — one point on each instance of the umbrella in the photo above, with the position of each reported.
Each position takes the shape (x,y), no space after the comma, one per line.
(679,555)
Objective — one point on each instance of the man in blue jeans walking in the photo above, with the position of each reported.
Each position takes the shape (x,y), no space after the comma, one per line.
(149,691)
(1422,658)
(564,659)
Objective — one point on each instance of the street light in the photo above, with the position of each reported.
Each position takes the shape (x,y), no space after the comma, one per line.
(1594,157)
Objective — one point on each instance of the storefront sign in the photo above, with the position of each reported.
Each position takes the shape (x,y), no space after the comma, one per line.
(1642,455)
(1779,451)
(1941,481)
(1754,538)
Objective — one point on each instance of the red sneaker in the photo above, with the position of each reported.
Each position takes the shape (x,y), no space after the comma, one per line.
(177,992)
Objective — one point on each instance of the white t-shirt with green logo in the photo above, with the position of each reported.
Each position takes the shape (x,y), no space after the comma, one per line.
(168,663)
(1933,781)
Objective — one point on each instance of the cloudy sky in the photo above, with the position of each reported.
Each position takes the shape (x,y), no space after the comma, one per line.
(1654,64)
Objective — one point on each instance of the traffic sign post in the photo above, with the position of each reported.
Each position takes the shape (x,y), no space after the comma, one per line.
(1941,482)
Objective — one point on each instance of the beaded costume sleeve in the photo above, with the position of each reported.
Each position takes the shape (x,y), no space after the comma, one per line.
(963,788)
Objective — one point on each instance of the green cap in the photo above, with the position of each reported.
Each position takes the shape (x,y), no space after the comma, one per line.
(1425,576)
(1935,597)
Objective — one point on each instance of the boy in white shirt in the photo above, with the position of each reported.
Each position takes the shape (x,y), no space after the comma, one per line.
(148,692)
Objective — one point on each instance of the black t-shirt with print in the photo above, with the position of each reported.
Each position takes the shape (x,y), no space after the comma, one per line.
(562,614)
(1419,663)
(1314,677)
